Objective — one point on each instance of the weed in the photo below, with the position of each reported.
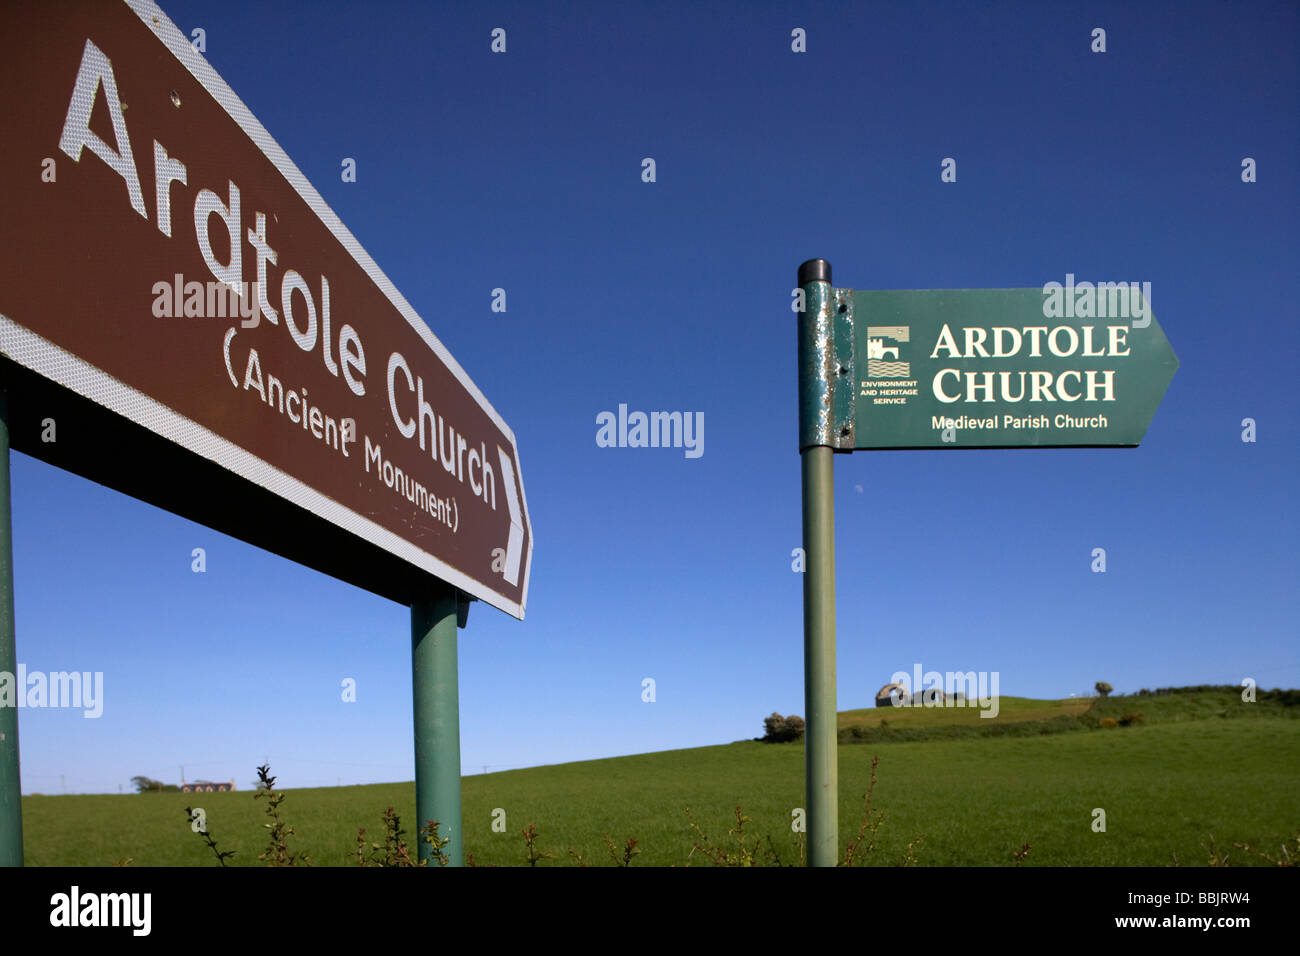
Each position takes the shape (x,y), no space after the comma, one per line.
(750,852)
(394,850)
(277,849)
(625,859)
(534,855)
(1216,858)
(867,826)
(909,857)
(1288,856)
(190,817)
(744,855)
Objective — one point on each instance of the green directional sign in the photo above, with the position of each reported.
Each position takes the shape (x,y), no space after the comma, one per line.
(1080,364)
(995,368)
(1069,364)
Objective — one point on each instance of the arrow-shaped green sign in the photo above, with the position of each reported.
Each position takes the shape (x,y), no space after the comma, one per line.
(1070,364)
(1064,365)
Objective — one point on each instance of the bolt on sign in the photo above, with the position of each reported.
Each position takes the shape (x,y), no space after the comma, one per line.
(1066,365)
(208,336)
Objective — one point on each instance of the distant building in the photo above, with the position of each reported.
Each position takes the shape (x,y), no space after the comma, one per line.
(896,695)
(205,786)
(886,696)
(929,697)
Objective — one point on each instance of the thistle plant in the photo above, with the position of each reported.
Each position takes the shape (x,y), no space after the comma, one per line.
(277,850)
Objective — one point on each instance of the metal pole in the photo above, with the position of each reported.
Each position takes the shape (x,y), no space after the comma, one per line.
(437,718)
(11,805)
(821,768)
(821,756)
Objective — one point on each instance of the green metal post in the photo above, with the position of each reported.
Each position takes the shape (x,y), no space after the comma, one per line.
(11,803)
(821,743)
(437,718)
(819,375)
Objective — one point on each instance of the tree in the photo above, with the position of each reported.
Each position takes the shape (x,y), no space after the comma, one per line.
(145,785)
(1103,688)
(779,729)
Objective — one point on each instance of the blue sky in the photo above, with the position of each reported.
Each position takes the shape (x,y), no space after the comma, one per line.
(522,171)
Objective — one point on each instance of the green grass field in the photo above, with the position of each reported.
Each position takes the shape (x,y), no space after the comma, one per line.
(1197,765)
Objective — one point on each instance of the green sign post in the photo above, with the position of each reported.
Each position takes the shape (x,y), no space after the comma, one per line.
(11,800)
(1066,365)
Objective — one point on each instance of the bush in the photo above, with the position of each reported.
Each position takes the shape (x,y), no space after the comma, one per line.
(1288,698)
(1109,722)
(1135,717)
(778,729)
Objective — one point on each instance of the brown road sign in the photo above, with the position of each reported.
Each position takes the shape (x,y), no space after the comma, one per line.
(207,335)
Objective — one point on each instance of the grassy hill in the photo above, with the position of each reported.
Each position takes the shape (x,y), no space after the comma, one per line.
(1024,716)
(1198,764)
(1011,710)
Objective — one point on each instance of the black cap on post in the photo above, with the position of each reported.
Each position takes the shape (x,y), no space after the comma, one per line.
(815,270)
